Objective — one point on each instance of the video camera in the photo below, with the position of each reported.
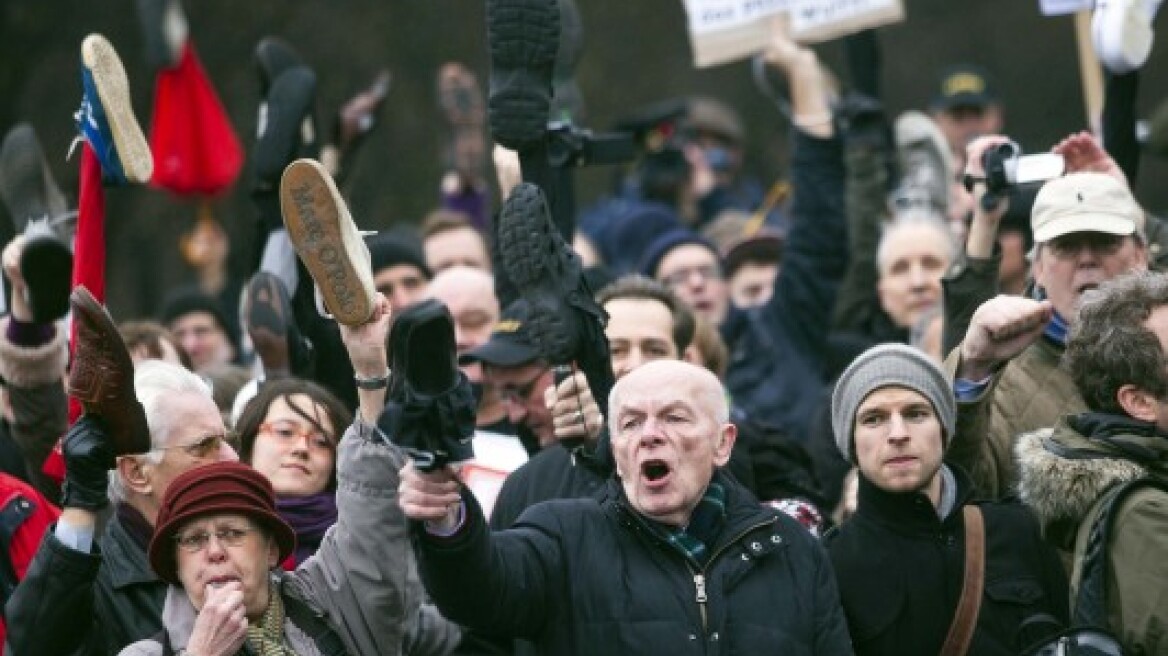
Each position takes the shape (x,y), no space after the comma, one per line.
(1007,169)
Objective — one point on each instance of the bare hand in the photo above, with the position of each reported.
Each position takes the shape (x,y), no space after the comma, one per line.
(432,497)
(11,262)
(1001,329)
(1083,153)
(221,627)
(366,343)
(507,170)
(575,414)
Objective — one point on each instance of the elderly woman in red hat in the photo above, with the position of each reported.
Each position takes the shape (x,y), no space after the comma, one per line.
(219,540)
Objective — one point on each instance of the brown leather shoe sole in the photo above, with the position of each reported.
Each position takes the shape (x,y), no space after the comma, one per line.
(102,375)
(327,241)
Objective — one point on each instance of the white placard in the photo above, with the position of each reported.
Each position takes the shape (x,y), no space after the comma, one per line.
(722,31)
(1063,7)
(823,20)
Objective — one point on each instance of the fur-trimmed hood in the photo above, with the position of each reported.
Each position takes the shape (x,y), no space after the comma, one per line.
(1063,472)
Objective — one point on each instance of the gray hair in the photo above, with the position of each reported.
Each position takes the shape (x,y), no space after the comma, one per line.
(154,382)
(913,218)
(1110,346)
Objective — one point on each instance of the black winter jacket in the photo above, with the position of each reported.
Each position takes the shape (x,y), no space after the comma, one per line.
(900,569)
(74,603)
(588,576)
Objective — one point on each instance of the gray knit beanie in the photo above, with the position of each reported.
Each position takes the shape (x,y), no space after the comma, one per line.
(888,365)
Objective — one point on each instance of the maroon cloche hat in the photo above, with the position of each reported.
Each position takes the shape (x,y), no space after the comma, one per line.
(219,488)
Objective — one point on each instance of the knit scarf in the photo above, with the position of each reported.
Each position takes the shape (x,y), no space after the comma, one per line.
(695,540)
(309,517)
(266,637)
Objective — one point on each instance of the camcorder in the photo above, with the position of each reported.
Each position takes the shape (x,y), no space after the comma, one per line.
(1016,177)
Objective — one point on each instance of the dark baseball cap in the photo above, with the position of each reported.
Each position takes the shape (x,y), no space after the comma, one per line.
(509,345)
(964,85)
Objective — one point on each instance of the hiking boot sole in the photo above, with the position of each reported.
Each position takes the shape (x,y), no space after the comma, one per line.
(523,36)
(113,90)
(545,271)
(327,241)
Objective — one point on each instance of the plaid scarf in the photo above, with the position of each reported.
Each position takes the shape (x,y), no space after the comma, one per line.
(695,540)
(266,637)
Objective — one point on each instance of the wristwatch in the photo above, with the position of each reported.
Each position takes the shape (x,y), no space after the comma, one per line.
(380,382)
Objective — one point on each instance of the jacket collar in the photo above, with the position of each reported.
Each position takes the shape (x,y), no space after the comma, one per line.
(123,558)
(1064,469)
(910,513)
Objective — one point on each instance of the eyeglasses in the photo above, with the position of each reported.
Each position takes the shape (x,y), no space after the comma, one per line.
(204,447)
(520,393)
(1069,246)
(705,272)
(285,430)
(196,541)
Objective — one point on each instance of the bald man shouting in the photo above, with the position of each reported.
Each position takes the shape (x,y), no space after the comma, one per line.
(676,558)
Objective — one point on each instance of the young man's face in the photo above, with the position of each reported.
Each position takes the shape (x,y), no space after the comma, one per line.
(753,284)
(693,272)
(898,440)
(460,246)
(203,339)
(402,284)
(639,330)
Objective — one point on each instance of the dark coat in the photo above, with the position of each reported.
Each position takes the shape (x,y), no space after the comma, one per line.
(114,587)
(778,351)
(900,570)
(588,576)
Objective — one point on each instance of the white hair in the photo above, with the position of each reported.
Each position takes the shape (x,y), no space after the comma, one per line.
(710,393)
(154,382)
(913,218)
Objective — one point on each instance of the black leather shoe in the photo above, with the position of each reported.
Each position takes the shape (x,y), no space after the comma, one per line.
(286,129)
(431,408)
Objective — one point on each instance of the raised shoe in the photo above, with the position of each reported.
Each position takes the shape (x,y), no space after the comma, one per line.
(523,37)
(106,118)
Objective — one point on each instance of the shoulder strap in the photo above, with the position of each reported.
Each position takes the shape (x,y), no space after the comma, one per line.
(1090,605)
(314,626)
(965,619)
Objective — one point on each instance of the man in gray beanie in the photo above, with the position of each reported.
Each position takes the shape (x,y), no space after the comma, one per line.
(900,560)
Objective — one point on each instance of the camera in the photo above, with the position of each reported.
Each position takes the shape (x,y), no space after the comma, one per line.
(1006,169)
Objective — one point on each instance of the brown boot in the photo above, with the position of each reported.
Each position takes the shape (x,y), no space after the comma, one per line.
(102,375)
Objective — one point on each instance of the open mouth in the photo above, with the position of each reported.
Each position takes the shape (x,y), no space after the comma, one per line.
(655,472)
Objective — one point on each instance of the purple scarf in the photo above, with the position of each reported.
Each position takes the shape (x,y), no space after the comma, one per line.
(310,517)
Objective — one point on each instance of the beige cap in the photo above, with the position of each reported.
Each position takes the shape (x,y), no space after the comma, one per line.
(1084,202)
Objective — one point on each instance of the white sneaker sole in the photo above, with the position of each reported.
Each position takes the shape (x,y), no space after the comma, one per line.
(1122,33)
(327,241)
(113,90)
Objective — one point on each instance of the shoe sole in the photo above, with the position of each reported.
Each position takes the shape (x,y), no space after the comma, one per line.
(90,386)
(289,103)
(267,324)
(523,36)
(538,263)
(327,241)
(113,90)
(46,264)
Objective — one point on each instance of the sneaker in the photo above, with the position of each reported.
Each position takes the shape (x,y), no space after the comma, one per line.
(270,324)
(106,118)
(285,130)
(548,274)
(1121,31)
(102,375)
(327,241)
(427,388)
(461,102)
(27,186)
(926,162)
(164,32)
(523,36)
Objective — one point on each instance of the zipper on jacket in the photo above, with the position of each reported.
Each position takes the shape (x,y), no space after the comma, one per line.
(699,578)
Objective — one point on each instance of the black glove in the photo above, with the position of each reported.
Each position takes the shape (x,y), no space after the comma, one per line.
(88,458)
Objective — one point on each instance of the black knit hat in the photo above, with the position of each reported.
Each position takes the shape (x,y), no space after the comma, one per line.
(388,249)
(186,300)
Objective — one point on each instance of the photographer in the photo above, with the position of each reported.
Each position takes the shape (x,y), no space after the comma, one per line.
(1007,375)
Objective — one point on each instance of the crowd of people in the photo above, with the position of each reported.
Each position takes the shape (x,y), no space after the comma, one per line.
(903,402)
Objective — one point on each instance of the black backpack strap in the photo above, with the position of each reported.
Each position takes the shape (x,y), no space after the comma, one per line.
(314,626)
(1091,602)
